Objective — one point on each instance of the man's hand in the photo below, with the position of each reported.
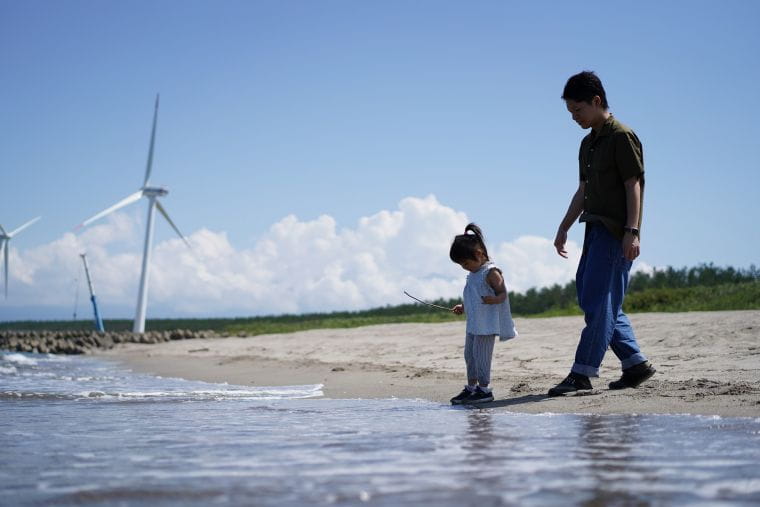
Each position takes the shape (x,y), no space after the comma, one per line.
(633,189)
(559,242)
(631,247)
(492,300)
(573,212)
(458,309)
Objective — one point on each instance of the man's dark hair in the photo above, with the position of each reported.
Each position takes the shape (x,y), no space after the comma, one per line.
(583,86)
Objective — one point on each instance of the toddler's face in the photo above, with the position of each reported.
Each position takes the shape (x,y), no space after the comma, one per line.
(472,265)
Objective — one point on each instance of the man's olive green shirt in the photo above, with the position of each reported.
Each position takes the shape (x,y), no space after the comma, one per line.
(607,159)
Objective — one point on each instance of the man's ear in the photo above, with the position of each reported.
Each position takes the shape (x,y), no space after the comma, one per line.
(596,101)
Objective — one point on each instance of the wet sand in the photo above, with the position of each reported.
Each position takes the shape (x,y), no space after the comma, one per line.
(707,363)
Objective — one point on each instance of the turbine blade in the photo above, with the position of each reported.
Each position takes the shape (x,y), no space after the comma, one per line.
(152,144)
(2,231)
(30,222)
(124,202)
(166,216)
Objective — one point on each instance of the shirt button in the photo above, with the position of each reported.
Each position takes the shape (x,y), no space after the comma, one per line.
(589,165)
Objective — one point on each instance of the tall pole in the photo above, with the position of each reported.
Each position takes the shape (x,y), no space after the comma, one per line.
(98,320)
(5,253)
(142,295)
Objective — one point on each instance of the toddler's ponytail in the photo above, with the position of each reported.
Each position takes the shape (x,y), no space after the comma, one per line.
(478,233)
(465,245)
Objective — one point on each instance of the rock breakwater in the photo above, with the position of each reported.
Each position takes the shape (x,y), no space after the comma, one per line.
(83,342)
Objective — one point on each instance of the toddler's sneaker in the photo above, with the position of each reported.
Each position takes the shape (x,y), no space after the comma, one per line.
(479,396)
(634,376)
(459,398)
(572,383)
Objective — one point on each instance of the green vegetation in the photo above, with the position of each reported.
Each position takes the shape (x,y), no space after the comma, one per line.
(250,326)
(740,296)
(702,288)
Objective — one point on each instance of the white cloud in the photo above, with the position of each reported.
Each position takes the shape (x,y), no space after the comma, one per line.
(532,261)
(296,266)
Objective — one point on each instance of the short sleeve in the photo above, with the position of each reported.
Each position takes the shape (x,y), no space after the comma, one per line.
(629,155)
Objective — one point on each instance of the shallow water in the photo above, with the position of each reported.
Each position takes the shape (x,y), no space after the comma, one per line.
(77,430)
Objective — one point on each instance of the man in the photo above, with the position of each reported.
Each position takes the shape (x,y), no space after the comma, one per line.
(609,201)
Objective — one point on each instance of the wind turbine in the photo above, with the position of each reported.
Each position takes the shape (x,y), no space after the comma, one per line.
(152,194)
(5,239)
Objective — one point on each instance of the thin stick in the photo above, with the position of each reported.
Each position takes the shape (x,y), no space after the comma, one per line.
(426,303)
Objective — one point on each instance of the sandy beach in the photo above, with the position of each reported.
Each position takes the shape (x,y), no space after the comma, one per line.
(708,363)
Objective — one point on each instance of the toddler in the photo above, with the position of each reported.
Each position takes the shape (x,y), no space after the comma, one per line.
(488,314)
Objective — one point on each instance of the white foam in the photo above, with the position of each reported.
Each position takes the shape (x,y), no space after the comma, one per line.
(19,359)
(730,487)
(8,370)
(260,393)
(57,358)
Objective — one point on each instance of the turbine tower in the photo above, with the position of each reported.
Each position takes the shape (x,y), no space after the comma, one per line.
(5,239)
(152,194)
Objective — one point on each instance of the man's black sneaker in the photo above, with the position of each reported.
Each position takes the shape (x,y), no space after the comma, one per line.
(459,398)
(572,383)
(634,376)
(479,396)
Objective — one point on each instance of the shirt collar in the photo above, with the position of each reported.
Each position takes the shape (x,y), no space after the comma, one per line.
(607,127)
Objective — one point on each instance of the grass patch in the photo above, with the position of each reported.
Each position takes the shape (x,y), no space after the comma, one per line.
(727,296)
(742,296)
(251,326)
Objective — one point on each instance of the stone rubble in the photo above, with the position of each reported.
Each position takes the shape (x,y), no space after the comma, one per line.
(85,341)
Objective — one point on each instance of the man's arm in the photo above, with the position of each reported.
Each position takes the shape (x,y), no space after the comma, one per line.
(573,212)
(631,247)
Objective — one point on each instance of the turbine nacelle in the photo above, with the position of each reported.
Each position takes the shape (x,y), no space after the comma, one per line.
(154,191)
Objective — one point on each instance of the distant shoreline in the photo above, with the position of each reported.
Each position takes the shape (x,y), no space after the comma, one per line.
(700,288)
(706,361)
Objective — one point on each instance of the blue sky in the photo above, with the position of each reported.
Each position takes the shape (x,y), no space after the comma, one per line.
(344,109)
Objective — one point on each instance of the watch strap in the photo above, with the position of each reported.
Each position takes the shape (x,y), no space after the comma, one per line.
(632,230)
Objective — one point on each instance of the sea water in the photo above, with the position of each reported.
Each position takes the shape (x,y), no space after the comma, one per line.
(82,431)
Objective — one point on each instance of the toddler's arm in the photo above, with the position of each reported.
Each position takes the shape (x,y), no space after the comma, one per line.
(496,281)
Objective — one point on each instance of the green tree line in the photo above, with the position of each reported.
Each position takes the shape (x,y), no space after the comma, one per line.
(663,282)
(701,288)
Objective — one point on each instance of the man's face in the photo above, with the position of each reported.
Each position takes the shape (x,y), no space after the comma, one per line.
(584,114)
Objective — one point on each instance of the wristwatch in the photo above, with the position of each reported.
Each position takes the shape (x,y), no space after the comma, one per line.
(634,231)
